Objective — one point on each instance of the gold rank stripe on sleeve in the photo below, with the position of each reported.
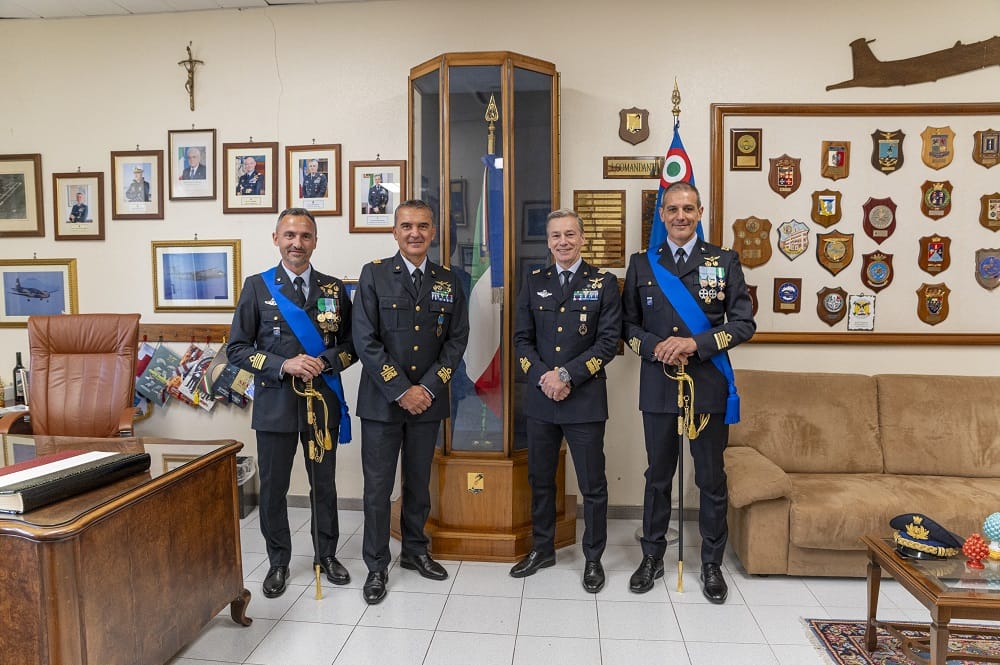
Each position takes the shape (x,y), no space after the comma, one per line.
(594,365)
(722,339)
(444,374)
(389,373)
(525,365)
(634,344)
(345,358)
(257,361)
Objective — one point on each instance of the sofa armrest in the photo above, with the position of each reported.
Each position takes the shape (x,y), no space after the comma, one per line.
(753,477)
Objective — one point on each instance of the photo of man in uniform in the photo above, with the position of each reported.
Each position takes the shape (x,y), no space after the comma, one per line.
(378,197)
(251,182)
(80,209)
(138,189)
(313,182)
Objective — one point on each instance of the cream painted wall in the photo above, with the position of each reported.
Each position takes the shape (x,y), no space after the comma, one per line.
(73,90)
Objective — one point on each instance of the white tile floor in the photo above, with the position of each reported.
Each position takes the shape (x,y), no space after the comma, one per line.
(482,616)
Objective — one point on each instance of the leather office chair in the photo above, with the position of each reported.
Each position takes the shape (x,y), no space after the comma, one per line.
(82,376)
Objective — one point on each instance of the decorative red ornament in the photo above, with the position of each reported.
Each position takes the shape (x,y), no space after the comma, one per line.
(975,549)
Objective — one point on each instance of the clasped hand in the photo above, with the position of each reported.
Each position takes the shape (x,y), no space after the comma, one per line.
(553,387)
(303,367)
(415,400)
(675,350)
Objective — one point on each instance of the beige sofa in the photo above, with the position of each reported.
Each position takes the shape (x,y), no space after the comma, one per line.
(818,460)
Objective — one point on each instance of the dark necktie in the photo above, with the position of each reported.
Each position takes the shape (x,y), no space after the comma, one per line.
(567,277)
(417,279)
(680,256)
(300,298)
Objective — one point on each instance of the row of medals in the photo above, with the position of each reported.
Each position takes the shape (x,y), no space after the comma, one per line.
(712,280)
(328,317)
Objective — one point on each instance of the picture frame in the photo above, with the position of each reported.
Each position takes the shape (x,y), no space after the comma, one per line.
(137,184)
(366,178)
(21,211)
(196,275)
(246,192)
(18,448)
(458,208)
(533,220)
(466,256)
(171,461)
(30,287)
(78,205)
(316,190)
(191,164)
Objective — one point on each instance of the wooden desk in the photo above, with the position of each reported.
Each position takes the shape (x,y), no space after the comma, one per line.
(129,573)
(947,588)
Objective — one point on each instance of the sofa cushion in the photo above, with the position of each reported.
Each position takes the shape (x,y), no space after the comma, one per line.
(940,425)
(810,422)
(833,511)
(752,477)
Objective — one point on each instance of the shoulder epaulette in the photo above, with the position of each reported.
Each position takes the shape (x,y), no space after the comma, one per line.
(376,261)
(446,268)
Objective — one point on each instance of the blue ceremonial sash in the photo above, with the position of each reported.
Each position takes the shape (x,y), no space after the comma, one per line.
(310,340)
(696,321)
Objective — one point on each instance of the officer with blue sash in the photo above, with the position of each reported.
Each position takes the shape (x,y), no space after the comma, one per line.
(294,323)
(685,302)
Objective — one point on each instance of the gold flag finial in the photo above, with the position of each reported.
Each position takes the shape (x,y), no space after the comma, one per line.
(492,115)
(675,97)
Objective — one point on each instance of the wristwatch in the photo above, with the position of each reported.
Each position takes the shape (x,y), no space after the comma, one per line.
(564,375)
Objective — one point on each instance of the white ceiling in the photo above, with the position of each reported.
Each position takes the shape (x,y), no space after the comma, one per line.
(82,8)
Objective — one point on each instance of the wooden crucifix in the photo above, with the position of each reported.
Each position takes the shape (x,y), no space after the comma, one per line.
(189,65)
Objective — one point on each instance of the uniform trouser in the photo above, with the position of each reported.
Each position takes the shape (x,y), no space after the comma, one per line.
(662,449)
(275,454)
(586,445)
(381,444)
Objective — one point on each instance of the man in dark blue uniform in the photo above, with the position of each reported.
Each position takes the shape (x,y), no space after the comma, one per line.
(656,332)
(313,182)
(251,183)
(378,197)
(268,339)
(566,330)
(411,326)
(138,189)
(79,211)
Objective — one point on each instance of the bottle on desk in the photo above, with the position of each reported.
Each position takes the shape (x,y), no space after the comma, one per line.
(18,381)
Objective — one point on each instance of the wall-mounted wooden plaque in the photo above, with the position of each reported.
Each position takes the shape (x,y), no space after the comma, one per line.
(633,167)
(602,212)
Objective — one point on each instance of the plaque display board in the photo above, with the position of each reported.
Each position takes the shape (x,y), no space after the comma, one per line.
(648,214)
(800,130)
(602,212)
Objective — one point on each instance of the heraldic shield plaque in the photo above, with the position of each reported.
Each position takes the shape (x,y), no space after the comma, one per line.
(834,251)
(937,146)
(831,305)
(826,207)
(989,211)
(751,241)
(876,271)
(986,148)
(880,218)
(988,268)
(836,158)
(935,254)
(932,303)
(785,175)
(887,150)
(633,125)
(935,198)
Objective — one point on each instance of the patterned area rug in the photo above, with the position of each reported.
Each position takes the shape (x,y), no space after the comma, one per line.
(844,643)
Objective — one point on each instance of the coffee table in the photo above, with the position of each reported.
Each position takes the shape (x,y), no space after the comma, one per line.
(947,588)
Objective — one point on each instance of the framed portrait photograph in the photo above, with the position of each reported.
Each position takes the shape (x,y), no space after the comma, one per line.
(313,173)
(21,213)
(250,177)
(377,187)
(36,287)
(191,164)
(533,218)
(196,275)
(78,205)
(137,184)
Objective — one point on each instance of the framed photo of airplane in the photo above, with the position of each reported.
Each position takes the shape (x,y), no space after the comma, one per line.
(21,213)
(30,287)
(196,275)
(78,202)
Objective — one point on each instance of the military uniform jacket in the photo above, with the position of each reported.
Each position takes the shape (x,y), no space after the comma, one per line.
(313,186)
(579,332)
(378,196)
(250,184)
(137,192)
(649,318)
(260,340)
(78,213)
(405,338)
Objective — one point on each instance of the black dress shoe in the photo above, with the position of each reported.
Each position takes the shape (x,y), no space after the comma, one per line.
(593,577)
(530,564)
(425,565)
(713,584)
(276,581)
(374,589)
(650,569)
(335,571)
